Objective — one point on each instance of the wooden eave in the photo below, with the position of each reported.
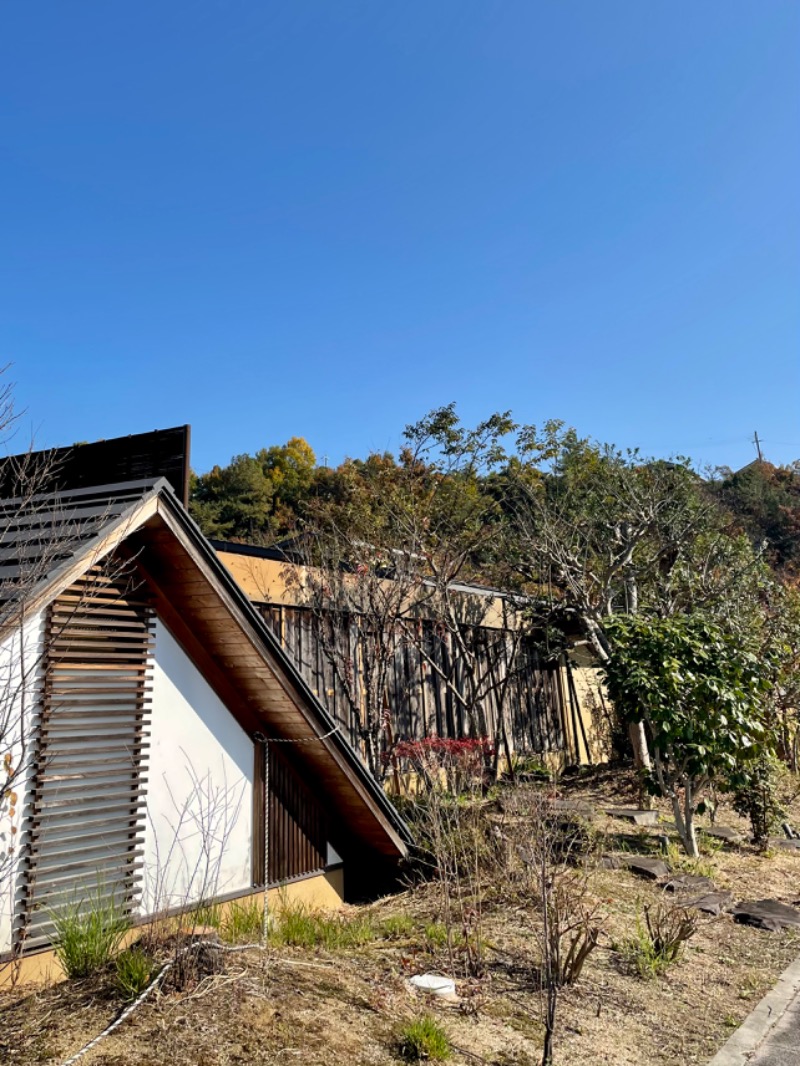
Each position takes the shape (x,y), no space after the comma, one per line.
(219,629)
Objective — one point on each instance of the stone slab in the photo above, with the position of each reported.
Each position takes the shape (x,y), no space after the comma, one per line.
(714,903)
(581,810)
(644,866)
(690,883)
(784,844)
(723,832)
(767,914)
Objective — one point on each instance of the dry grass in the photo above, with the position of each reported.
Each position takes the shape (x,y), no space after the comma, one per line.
(291,1005)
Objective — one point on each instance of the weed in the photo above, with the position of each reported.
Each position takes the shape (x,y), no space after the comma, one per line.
(88,933)
(244,921)
(423,1038)
(657,941)
(749,986)
(135,969)
(300,926)
(397,927)
(206,914)
(700,866)
(436,936)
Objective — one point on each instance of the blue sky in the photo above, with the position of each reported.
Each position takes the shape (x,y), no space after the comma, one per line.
(323,219)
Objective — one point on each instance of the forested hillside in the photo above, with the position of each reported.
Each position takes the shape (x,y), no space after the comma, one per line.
(263,498)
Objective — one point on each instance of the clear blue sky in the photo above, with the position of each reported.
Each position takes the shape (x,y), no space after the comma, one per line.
(324,218)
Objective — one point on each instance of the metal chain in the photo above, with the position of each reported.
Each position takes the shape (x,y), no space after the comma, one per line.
(265,918)
(300,740)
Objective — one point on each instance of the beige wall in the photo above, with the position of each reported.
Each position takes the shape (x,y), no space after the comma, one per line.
(271,581)
(321,892)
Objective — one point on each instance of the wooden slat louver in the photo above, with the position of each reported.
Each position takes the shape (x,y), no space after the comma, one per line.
(297,837)
(83,834)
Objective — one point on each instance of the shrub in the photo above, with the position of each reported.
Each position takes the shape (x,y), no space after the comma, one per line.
(135,970)
(755,796)
(658,940)
(243,921)
(423,1038)
(88,934)
(461,762)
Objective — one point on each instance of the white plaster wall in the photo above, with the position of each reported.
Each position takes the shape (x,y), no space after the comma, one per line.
(200,788)
(20,676)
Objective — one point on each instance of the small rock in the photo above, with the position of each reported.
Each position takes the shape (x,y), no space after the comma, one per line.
(713,903)
(632,814)
(644,866)
(690,883)
(767,914)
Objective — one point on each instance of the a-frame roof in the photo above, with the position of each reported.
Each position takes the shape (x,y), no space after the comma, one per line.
(48,541)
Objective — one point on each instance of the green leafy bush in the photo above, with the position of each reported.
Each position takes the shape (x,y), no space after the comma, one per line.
(755,796)
(88,933)
(423,1038)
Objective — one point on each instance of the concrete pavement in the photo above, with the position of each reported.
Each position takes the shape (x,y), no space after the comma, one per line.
(770,1035)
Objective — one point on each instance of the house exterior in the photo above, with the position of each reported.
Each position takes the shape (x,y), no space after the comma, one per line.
(158,745)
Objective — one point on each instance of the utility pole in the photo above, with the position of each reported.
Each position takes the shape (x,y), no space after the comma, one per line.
(757,443)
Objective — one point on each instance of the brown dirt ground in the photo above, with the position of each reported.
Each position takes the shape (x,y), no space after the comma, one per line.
(314,1008)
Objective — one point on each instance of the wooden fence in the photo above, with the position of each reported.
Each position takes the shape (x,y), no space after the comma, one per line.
(425,675)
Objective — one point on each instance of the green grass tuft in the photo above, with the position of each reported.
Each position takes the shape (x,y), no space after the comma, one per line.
(298,925)
(397,927)
(88,934)
(423,1039)
(243,922)
(435,936)
(206,914)
(135,971)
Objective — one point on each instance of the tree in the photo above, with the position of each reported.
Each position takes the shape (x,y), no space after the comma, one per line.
(700,694)
(386,549)
(258,498)
(599,531)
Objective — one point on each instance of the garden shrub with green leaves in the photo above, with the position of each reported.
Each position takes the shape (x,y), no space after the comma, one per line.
(754,790)
(701,694)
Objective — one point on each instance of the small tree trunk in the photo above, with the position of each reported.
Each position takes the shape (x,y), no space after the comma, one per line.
(684,823)
(641,752)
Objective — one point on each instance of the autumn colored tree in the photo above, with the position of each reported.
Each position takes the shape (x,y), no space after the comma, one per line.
(255,498)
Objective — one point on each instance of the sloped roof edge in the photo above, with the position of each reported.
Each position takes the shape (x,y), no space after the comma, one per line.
(125,508)
(326,723)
